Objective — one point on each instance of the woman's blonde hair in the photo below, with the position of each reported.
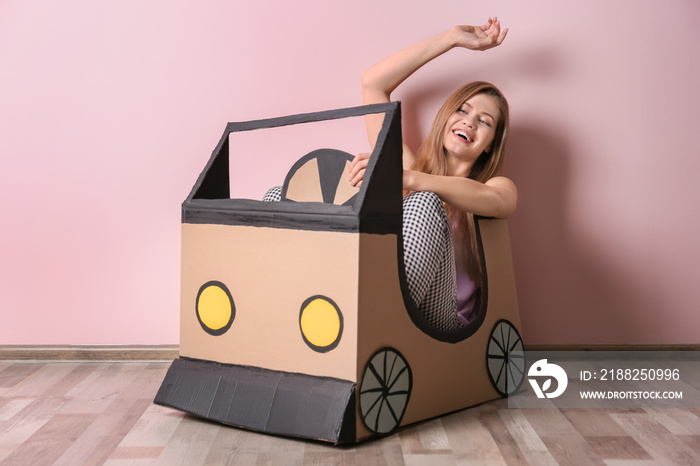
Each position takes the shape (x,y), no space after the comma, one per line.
(430,158)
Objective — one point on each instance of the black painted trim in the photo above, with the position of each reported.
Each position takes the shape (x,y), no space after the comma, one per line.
(419,320)
(284,214)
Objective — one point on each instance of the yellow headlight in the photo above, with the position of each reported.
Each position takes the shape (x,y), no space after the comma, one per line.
(215,308)
(321,323)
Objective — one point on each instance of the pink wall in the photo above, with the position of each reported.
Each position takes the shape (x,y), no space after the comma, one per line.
(109,110)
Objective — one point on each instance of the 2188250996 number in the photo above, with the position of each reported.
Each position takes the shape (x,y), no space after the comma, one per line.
(639,374)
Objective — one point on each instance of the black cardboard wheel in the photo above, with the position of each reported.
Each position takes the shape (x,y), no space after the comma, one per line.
(385,391)
(505,358)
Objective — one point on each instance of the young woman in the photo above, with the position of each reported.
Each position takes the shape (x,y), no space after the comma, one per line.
(451,177)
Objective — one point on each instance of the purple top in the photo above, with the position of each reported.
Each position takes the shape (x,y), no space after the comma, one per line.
(466,289)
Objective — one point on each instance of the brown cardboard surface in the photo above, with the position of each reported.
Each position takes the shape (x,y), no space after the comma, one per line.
(345,189)
(305,186)
(446,376)
(270,273)
(499,266)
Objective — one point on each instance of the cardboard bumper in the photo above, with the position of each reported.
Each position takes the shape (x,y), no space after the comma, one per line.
(296,317)
(259,399)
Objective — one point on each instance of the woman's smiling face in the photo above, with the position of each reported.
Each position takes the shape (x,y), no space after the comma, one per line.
(471,129)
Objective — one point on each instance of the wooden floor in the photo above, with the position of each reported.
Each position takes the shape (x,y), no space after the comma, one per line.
(84,413)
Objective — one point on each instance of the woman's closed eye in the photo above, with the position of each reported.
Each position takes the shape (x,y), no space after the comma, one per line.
(465,111)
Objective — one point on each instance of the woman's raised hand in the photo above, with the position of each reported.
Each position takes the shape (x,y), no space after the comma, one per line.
(479,37)
(357,168)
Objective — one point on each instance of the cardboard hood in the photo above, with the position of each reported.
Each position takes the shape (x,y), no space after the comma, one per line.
(296,317)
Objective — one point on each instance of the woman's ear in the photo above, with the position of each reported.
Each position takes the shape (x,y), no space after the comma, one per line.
(488,150)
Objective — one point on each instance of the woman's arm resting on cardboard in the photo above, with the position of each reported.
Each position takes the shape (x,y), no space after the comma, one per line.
(495,198)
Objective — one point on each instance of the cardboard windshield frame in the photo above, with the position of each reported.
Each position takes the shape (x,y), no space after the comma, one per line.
(376,208)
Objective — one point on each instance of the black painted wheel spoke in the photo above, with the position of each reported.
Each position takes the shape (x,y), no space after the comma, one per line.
(397,377)
(500,373)
(391,371)
(386,353)
(377,376)
(498,343)
(379,398)
(517,341)
(379,414)
(520,372)
(401,392)
(391,411)
(371,390)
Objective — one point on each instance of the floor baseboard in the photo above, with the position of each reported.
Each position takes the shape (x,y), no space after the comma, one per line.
(170,352)
(89,352)
(615,347)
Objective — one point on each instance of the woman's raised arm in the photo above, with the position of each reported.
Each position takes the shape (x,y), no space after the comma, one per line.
(379,81)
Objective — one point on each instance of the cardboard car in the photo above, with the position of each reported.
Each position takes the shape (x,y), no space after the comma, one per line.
(296,317)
